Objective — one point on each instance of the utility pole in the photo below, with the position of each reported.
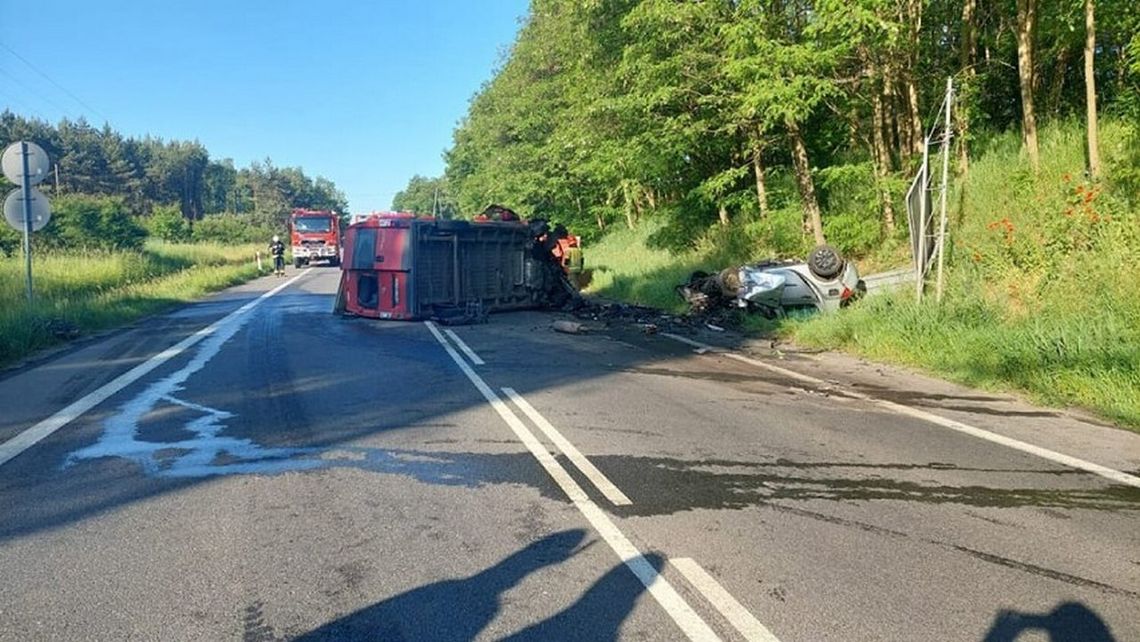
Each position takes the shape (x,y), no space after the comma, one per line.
(920,258)
(945,187)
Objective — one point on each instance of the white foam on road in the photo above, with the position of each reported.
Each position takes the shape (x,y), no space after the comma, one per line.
(973,431)
(40,431)
(197,456)
(691,623)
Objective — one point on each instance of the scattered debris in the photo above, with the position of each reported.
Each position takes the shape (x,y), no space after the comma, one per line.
(652,321)
(568,327)
(62,329)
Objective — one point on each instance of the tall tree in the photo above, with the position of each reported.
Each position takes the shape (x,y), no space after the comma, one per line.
(1090,91)
(1026,20)
(424,195)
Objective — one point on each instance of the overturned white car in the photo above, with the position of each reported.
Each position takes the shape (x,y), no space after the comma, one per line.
(825,282)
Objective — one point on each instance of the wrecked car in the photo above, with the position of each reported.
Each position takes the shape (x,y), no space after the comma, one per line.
(824,282)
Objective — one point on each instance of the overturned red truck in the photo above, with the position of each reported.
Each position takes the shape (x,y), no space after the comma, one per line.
(400,266)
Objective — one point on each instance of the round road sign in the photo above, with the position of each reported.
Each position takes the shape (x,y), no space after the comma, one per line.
(14,209)
(13,163)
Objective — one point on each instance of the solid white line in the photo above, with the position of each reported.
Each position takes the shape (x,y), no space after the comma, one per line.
(690,622)
(1038,451)
(32,436)
(733,611)
(600,481)
(465,348)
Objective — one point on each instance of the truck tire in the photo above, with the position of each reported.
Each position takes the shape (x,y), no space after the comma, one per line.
(334,262)
(825,262)
(297,263)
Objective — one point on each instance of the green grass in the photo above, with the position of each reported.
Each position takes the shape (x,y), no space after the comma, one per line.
(1041,288)
(92,291)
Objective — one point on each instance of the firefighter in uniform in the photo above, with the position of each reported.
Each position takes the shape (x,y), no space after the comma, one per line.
(277,248)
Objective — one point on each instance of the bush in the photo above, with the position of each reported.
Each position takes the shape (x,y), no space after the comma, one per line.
(229,228)
(10,240)
(781,233)
(852,223)
(167,223)
(91,222)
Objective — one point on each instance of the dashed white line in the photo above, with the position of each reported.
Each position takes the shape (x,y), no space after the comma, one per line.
(1044,453)
(722,600)
(600,481)
(32,436)
(465,348)
(691,623)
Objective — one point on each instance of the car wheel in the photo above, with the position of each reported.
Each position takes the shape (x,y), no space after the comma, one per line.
(825,262)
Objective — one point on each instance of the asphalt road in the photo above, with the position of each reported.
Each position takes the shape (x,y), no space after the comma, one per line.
(253,468)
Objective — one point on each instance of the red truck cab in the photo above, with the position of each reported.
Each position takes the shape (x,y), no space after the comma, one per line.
(315,236)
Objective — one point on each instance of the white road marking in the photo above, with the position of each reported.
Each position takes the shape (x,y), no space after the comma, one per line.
(690,622)
(465,348)
(1038,451)
(733,611)
(600,481)
(32,436)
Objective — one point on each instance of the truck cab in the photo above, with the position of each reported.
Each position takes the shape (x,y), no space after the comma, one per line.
(315,236)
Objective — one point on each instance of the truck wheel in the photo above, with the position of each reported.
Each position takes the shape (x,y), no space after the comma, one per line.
(333,262)
(297,263)
(825,262)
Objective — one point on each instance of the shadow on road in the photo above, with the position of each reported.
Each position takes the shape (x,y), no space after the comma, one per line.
(460,609)
(1069,622)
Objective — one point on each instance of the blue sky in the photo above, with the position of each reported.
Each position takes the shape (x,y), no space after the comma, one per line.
(363,93)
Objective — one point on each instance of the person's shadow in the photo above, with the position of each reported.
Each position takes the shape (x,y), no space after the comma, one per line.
(1069,622)
(449,609)
(597,615)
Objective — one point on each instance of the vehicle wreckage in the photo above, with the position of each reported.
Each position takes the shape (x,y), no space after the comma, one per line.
(403,266)
(772,288)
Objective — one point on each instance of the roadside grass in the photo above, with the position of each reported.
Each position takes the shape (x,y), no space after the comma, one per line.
(84,292)
(1040,295)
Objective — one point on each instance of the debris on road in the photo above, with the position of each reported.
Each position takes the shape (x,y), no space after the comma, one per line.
(569,327)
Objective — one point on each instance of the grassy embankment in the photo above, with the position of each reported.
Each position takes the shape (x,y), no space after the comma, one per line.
(1041,292)
(91,291)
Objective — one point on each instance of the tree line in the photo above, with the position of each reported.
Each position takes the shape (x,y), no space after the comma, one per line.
(147,177)
(812,112)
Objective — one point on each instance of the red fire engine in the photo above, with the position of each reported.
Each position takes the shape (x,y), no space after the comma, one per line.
(315,236)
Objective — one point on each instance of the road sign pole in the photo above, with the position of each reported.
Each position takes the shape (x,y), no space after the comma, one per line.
(27,187)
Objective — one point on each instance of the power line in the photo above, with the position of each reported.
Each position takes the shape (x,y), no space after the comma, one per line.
(16,102)
(32,90)
(52,81)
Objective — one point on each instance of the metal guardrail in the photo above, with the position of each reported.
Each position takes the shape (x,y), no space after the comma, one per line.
(889,281)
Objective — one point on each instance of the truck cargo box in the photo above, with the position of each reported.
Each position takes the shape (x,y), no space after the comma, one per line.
(398,266)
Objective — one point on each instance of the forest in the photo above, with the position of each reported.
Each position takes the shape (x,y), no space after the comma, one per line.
(108,190)
(802,120)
